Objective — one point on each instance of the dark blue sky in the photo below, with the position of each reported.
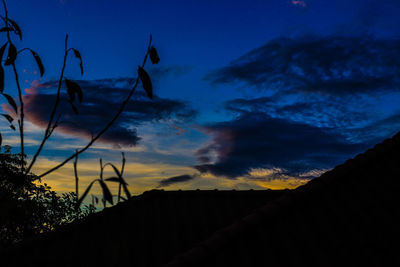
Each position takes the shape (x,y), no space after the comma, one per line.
(249,93)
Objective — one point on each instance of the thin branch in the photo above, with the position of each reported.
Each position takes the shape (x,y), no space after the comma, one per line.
(122,173)
(21,119)
(101,169)
(76,178)
(108,125)
(50,128)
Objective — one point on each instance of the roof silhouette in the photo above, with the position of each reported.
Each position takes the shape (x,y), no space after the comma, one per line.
(147,230)
(347,217)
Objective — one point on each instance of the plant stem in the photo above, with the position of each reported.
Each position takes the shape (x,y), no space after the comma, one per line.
(21,119)
(122,173)
(111,122)
(49,130)
(76,178)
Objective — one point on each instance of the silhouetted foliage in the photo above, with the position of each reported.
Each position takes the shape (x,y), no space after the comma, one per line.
(28,208)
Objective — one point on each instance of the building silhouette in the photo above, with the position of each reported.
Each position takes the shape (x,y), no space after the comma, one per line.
(347,217)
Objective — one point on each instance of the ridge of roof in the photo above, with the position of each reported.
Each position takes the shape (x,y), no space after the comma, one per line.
(150,228)
(147,195)
(338,175)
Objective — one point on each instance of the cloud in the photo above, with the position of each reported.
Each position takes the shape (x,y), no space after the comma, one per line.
(256,140)
(101,100)
(333,66)
(299,3)
(176,179)
(319,111)
(377,130)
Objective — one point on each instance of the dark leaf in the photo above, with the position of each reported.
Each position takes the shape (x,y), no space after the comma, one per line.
(38,62)
(123,163)
(11,102)
(113,179)
(1,79)
(126,190)
(115,169)
(96,199)
(12,127)
(17,29)
(78,55)
(85,193)
(121,180)
(154,55)
(146,82)
(2,49)
(12,55)
(72,89)
(6,29)
(8,117)
(106,192)
(75,109)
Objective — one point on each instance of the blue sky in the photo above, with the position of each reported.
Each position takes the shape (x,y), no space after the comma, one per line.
(249,94)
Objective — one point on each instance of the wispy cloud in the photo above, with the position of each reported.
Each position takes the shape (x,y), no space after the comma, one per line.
(176,179)
(333,65)
(299,3)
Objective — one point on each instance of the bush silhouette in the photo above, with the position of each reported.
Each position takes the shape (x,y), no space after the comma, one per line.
(27,208)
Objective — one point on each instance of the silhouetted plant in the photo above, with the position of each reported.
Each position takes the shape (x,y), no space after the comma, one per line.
(75,93)
(28,208)
(107,196)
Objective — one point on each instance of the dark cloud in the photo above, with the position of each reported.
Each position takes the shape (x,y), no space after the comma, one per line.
(255,140)
(377,130)
(317,111)
(101,100)
(176,179)
(333,65)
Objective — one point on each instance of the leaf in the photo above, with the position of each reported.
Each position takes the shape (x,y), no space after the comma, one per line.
(2,49)
(85,193)
(72,89)
(12,127)
(8,117)
(78,55)
(113,179)
(154,55)
(11,102)
(6,29)
(126,190)
(146,82)
(38,62)
(17,29)
(123,163)
(75,109)
(115,169)
(106,192)
(120,179)
(1,79)
(12,55)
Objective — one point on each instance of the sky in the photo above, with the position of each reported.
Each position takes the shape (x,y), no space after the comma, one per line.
(247,95)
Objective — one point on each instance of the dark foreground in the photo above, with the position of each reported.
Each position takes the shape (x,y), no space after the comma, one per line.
(348,217)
